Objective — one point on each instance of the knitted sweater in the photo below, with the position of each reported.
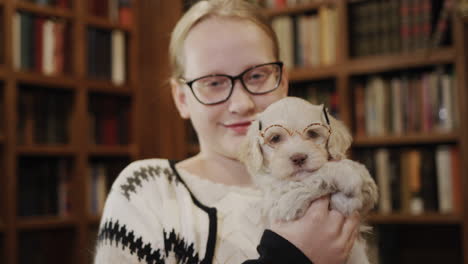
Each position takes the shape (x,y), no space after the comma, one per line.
(153,216)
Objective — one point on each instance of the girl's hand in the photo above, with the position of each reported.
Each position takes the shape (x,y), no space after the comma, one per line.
(324,236)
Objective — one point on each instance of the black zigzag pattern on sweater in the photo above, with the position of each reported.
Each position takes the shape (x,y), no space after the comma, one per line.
(118,234)
(145,174)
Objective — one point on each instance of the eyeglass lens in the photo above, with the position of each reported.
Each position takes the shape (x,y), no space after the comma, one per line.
(259,80)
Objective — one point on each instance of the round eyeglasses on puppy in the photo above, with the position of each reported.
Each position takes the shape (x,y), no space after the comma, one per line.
(217,88)
(274,135)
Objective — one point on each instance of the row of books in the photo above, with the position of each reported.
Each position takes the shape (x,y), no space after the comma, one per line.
(39,44)
(415,181)
(101,175)
(116,10)
(110,120)
(319,92)
(391,26)
(284,3)
(308,40)
(44,187)
(409,103)
(56,3)
(107,55)
(44,117)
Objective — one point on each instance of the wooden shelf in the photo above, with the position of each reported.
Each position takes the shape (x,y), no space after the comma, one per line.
(39,79)
(44,9)
(128,150)
(415,59)
(108,87)
(406,139)
(45,222)
(300,8)
(45,150)
(94,219)
(2,139)
(3,72)
(313,73)
(427,218)
(100,22)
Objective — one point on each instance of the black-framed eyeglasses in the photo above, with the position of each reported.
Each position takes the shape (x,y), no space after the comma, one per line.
(217,88)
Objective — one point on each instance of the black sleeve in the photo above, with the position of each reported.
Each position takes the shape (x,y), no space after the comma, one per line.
(275,249)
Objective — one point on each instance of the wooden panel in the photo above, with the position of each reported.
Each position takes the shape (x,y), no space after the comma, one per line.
(45,222)
(382,63)
(406,139)
(43,10)
(427,218)
(160,127)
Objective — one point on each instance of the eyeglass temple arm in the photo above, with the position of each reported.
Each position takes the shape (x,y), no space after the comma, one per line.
(326,115)
(324,112)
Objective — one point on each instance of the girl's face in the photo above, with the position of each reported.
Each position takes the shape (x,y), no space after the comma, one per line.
(224,46)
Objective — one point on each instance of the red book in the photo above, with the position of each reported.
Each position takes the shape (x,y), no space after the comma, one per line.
(62,3)
(38,39)
(109,122)
(125,16)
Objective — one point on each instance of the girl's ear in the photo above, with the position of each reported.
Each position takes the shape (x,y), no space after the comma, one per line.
(180,98)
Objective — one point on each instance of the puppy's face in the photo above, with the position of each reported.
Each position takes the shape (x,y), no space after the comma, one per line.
(292,138)
(294,151)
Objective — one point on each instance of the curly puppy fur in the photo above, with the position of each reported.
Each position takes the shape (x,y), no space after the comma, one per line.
(294,169)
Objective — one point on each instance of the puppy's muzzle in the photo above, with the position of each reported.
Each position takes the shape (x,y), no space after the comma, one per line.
(298,159)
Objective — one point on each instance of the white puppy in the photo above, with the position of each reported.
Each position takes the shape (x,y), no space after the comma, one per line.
(296,153)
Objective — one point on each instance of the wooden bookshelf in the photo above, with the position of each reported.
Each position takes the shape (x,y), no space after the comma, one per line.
(387,63)
(406,139)
(426,218)
(113,150)
(78,152)
(347,69)
(108,87)
(46,222)
(297,9)
(317,73)
(22,5)
(34,78)
(100,22)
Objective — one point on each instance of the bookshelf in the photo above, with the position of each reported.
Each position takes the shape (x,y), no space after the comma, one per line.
(47,90)
(430,236)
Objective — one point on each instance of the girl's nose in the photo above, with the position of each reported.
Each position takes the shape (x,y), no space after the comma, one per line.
(241,101)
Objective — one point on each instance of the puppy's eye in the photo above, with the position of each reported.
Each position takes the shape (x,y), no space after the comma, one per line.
(275,139)
(312,134)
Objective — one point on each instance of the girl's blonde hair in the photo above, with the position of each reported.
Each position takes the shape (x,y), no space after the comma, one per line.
(202,10)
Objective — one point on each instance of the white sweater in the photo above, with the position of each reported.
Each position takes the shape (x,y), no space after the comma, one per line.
(154,214)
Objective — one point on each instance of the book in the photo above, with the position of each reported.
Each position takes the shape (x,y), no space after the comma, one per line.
(118,57)
(444,178)
(383,180)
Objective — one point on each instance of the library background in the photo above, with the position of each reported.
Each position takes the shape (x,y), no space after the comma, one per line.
(83,92)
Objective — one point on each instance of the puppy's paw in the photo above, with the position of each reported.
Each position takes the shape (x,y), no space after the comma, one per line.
(345,203)
(287,211)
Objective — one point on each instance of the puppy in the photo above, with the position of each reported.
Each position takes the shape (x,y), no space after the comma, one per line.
(296,153)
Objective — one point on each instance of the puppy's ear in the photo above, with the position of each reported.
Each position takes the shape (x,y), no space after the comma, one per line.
(250,152)
(340,139)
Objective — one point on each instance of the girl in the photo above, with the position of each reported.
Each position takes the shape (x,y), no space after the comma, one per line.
(225,66)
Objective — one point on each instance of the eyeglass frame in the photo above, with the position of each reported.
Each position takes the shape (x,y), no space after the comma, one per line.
(233,80)
(327,126)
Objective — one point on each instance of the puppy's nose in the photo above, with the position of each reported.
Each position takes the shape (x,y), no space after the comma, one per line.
(298,159)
